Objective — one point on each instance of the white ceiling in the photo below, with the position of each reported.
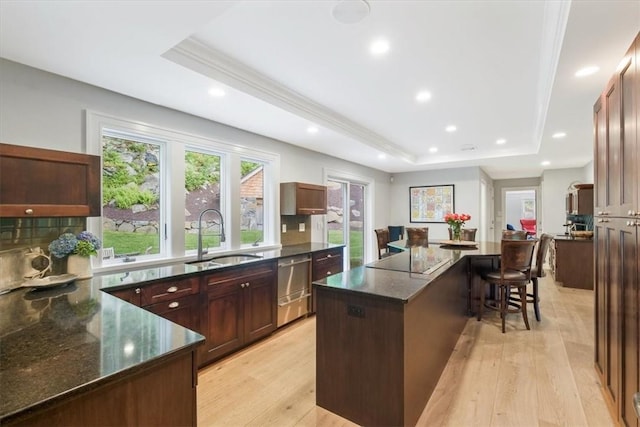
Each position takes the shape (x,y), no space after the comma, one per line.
(495,69)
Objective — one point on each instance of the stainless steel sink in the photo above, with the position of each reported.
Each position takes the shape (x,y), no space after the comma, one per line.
(226,260)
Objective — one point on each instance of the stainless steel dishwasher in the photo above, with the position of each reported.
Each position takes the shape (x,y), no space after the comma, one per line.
(294,287)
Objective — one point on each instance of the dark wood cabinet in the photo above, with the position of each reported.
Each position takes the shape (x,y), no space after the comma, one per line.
(36,182)
(240,308)
(617,229)
(297,198)
(573,262)
(324,264)
(184,311)
(130,295)
(177,300)
(582,201)
(163,393)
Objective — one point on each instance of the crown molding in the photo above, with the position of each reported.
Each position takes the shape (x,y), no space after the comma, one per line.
(203,59)
(556,16)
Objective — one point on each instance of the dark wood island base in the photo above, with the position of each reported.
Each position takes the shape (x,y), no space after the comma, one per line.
(384,338)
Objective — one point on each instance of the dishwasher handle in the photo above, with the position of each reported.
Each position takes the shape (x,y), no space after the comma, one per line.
(304,261)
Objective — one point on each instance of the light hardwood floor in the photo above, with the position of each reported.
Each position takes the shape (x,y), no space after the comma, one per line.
(541,377)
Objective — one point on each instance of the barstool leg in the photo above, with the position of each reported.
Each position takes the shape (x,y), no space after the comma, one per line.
(536,299)
(503,305)
(522,290)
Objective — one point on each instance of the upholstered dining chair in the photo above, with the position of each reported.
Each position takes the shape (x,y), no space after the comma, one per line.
(468,234)
(382,235)
(514,273)
(514,235)
(417,236)
(537,270)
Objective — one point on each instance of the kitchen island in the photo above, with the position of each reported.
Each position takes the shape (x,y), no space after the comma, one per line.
(385,331)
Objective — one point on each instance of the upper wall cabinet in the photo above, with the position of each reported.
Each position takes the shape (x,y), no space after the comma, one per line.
(36,182)
(297,198)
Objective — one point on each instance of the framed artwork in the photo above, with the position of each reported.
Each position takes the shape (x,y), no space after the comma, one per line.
(430,203)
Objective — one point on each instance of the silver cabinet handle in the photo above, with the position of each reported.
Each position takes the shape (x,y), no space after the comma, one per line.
(329,273)
(247,284)
(138,290)
(172,289)
(28,211)
(174,304)
(328,255)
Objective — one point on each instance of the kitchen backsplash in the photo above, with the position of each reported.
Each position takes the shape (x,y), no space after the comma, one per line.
(18,235)
(583,222)
(293,234)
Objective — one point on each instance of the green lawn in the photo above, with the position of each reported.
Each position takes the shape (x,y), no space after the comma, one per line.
(356,248)
(137,243)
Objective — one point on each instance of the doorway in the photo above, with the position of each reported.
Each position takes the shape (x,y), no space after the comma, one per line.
(346,218)
(520,208)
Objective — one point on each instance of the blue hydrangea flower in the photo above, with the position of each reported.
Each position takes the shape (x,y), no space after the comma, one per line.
(91,238)
(63,245)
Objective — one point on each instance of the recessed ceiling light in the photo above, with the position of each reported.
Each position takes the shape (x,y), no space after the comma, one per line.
(451,128)
(423,96)
(545,163)
(587,71)
(501,141)
(379,47)
(558,135)
(312,129)
(433,149)
(382,156)
(350,11)
(217,92)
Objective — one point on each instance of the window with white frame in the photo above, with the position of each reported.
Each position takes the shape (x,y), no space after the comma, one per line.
(157,182)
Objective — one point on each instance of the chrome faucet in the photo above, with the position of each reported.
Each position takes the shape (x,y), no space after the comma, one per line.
(222,237)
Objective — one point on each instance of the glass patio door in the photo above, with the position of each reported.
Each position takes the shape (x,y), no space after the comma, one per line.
(346,218)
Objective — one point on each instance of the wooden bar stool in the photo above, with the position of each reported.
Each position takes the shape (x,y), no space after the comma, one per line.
(514,273)
(382,235)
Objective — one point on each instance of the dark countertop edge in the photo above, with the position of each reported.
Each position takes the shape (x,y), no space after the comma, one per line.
(24,413)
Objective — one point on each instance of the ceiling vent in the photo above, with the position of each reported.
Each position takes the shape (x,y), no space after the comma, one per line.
(468,147)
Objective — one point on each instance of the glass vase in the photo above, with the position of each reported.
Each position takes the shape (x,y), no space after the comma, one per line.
(456,234)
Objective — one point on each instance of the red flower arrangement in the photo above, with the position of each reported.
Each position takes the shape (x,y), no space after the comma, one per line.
(456,221)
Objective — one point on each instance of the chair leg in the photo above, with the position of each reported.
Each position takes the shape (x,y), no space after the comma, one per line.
(523,303)
(536,299)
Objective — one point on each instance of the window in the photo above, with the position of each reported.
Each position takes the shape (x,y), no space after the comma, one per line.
(157,182)
(251,201)
(132,217)
(202,189)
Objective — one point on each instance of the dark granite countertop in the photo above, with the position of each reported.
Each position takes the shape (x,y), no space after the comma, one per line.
(565,237)
(403,275)
(59,341)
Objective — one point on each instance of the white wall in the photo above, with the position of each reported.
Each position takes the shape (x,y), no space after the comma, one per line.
(555,184)
(466,183)
(44,110)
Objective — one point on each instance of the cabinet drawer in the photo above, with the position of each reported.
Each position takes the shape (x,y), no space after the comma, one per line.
(169,290)
(175,304)
(327,263)
(241,273)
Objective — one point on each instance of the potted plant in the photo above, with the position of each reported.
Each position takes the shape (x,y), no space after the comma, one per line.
(78,250)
